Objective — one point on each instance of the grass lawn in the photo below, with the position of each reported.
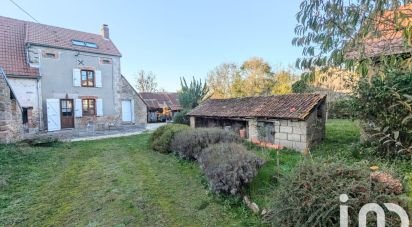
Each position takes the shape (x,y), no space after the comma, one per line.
(121,182)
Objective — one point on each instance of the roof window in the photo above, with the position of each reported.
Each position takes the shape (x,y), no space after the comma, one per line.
(84,44)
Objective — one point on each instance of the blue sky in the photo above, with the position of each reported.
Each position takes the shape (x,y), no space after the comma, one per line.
(180,37)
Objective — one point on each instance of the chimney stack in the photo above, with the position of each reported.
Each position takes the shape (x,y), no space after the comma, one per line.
(105,31)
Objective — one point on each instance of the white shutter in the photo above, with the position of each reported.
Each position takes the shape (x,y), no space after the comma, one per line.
(99,107)
(98,75)
(78,110)
(76,78)
(53,114)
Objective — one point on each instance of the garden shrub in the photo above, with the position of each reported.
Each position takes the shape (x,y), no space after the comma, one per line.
(384,105)
(340,109)
(310,195)
(188,144)
(161,138)
(228,167)
(181,118)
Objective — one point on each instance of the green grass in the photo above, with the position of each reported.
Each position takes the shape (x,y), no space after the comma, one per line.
(122,182)
(108,182)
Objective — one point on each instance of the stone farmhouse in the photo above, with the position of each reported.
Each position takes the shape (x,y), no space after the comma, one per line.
(60,78)
(294,121)
(157,102)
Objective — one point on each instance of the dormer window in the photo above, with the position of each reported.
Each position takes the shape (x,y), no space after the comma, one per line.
(84,44)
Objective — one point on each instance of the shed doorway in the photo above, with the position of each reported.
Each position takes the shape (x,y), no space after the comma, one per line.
(127,111)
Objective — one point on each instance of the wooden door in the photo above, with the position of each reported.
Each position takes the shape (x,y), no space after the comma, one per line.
(67,113)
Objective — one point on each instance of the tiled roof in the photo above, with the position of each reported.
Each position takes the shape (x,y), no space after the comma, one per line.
(12,48)
(388,39)
(291,106)
(16,34)
(47,35)
(158,100)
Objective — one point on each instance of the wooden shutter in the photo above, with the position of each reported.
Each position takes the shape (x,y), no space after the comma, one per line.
(98,75)
(53,114)
(76,78)
(99,107)
(78,109)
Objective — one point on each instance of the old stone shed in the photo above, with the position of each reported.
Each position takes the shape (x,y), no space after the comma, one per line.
(294,121)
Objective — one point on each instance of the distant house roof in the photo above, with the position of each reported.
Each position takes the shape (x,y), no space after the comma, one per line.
(15,35)
(389,39)
(158,100)
(291,106)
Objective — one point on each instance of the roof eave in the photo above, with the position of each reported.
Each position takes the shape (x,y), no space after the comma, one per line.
(72,49)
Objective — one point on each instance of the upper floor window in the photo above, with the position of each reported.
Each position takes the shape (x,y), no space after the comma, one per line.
(83,43)
(88,78)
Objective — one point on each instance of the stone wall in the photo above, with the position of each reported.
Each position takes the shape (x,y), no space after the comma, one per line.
(298,135)
(127,92)
(11,125)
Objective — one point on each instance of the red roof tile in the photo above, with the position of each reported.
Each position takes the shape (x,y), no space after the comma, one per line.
(12,48)
(46,35)
(158,100)
(16,34)
(291,106)
(389,39)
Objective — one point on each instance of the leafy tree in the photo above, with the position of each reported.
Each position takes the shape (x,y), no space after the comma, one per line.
(283,82)
(191,95)
(258,77)
(336,33)
(221,78)
(146,82)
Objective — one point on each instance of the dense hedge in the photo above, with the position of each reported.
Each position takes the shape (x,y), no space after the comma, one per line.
(161,138)
(181,118)
(188,144)
(310,195)
(340,109)
(229,167)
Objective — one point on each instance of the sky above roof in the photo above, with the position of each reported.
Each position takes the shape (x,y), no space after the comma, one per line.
(180,38)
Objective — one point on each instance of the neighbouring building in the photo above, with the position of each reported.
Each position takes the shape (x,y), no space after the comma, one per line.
(11,119)
(65,79)
(294,121)
(161,106)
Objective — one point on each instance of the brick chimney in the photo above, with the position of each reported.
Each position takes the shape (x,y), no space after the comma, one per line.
(105,31)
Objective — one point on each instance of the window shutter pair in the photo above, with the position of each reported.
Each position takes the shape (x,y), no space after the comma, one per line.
(77,78)
(78,108)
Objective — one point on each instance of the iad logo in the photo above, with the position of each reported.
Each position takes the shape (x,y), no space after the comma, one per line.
(372,207)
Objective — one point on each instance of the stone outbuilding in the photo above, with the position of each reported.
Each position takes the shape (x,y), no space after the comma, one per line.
(11,119)
(295,121)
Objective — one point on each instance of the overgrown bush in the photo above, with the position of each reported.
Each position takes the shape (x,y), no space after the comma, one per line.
(228,167)
(181,118)
(340,109)
(384,104)
(161,138)
(188,144)
(310,195)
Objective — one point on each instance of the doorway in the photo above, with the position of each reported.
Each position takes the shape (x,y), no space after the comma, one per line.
(66,113)
(127,111)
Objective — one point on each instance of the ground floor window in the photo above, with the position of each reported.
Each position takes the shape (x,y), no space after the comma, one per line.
(89,107)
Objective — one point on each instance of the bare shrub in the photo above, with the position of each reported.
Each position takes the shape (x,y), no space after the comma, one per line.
(229,167)
(310,195)
(188,144)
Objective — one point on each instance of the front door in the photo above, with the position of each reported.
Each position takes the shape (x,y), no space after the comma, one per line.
(67,113)
(126,111)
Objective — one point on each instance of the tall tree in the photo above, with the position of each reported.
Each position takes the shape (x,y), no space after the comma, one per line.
(192,94)
(221,78)
(146,82)
(258,77)
(283,82)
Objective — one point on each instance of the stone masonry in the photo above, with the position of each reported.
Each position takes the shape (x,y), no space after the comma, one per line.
(298,135)
(10,115)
